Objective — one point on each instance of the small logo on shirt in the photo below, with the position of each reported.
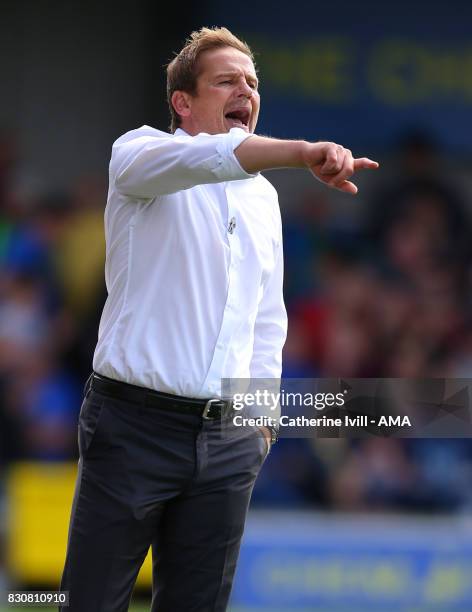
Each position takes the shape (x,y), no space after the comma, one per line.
(232,225)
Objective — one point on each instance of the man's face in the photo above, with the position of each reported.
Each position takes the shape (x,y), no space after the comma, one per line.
(226,95)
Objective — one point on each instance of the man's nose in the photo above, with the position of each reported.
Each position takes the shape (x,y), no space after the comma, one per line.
(245,90)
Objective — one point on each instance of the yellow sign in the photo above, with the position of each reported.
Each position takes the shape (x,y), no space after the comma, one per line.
(39,502)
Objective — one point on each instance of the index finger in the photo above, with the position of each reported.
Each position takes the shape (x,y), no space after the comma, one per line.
(362,163)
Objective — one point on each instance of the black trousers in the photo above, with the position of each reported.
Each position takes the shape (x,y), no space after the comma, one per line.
(150,477)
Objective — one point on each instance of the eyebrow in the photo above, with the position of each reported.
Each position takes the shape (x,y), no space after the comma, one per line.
(235,73)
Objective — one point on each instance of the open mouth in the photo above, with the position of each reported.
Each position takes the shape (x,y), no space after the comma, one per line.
(239,118)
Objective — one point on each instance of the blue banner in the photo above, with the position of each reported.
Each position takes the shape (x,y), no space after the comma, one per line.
(294,562)
(360,75)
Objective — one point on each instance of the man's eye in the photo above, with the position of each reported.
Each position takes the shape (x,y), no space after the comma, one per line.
(224,82)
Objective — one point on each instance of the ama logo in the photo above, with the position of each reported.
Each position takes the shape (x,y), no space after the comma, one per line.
(394,421)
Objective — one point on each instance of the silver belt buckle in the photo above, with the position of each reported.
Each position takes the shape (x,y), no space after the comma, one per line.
(207,408)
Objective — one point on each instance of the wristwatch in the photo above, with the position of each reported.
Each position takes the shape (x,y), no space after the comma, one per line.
(274,433)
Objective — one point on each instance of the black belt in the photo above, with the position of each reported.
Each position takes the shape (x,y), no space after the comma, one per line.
(210,409)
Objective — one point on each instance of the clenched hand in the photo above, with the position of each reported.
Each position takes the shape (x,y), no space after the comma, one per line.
(334,165)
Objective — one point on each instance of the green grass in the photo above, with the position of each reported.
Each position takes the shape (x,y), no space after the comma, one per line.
(142,608)
(145,608)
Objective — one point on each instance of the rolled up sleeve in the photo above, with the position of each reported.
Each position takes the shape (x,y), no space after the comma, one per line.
(149,166)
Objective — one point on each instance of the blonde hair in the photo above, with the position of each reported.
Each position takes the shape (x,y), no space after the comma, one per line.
(182,71)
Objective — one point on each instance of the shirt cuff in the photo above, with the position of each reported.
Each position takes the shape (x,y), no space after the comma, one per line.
(228,167)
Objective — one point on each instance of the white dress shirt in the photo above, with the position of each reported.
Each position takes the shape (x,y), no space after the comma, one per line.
(194,266)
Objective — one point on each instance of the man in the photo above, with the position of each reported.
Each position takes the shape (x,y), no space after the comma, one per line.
(194,274)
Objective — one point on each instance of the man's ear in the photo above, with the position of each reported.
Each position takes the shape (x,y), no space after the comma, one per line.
(182,102)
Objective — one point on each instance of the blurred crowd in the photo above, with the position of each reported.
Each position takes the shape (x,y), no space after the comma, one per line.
(51,293)
(387,296)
